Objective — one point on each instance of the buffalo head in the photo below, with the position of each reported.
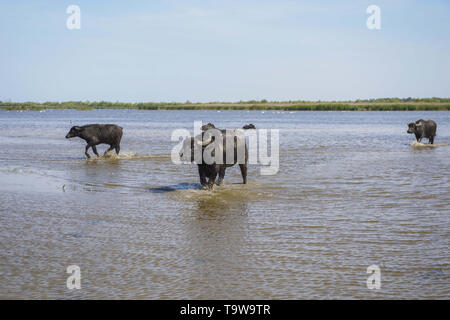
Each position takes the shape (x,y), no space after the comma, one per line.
(415,127)
(190,145)
(74,132)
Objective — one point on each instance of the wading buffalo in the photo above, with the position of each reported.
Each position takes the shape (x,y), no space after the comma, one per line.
(423,129)
(202,150)
(95,134)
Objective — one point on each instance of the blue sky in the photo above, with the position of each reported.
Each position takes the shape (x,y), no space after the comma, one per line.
(230,50)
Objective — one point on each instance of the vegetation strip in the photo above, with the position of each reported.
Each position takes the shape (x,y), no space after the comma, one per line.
(386,104)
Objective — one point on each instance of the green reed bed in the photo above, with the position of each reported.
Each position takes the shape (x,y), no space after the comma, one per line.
(426,104)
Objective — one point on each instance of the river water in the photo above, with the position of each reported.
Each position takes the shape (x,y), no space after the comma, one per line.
(351,191)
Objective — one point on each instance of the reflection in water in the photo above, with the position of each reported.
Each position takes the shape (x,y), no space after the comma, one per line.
(212,207)
(217,239)
(353,190)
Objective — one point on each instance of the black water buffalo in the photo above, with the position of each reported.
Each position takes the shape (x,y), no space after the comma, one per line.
(95,134)
(211,126)
(207,140)
(423,129)
(249,126)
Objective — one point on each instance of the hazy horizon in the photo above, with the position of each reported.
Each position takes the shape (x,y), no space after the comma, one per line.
(237,102)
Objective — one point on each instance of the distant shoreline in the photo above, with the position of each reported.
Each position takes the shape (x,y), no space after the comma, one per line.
(389,104)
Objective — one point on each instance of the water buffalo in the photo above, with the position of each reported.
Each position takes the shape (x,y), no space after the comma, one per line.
(204,144)
(423,129)
(249,126)
(211,126)
(95,134)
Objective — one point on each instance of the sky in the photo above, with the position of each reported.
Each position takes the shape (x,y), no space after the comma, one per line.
(204,50)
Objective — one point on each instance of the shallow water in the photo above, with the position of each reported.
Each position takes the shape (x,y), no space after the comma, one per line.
(353,190)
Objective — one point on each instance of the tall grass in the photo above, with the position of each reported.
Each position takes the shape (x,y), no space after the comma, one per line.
(426,104)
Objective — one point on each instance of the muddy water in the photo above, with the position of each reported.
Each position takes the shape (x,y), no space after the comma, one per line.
(352,191)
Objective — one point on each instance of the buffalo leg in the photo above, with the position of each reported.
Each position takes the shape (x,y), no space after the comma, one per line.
(94,148)
(202,177)
(109,149)
(118,149)
(243,168)
(431,140)
(221,176)
(86,151)
(211,180)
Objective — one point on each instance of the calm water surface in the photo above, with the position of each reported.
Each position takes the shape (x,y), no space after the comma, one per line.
(351,192)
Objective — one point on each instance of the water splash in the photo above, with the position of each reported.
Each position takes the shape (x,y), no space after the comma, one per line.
(416,144)
(111,155)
